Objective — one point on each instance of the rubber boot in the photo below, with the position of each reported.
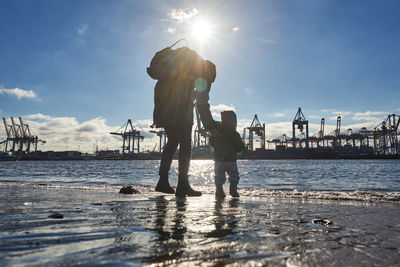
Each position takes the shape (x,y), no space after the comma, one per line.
(184,189)
(233,190)
(163,185)
(219,192)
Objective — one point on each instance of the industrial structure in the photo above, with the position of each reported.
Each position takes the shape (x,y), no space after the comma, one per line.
(201,139)
(20,139)
(163,138)
(381,141)
(130,138)
(299,121)
(255,130)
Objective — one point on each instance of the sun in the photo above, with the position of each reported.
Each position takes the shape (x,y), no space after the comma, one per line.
(201,30)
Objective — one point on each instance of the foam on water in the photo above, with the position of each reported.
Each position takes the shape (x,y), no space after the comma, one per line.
(370,196)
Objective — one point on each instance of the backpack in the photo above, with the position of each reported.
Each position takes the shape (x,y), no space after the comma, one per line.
(175,64)
(163,62)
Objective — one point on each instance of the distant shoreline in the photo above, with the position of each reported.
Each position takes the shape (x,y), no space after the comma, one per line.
(255,157)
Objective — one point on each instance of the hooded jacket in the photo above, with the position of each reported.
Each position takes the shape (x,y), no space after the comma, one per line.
(227,143)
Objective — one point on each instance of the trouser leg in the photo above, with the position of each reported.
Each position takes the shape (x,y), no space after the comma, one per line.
(185,142)
(233,179)
(166,160)
(184,188)
(168,152)
(233,173)
(219,172)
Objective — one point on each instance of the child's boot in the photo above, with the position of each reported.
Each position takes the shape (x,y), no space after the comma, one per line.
(219,192)
(233,190)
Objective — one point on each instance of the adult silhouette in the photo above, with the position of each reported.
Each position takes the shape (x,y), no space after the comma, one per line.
(179,72)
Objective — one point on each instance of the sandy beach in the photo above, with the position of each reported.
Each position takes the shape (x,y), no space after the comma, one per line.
(44,225)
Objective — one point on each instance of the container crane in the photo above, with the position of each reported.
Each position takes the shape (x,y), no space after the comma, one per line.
(299,121)
(163,138)
(19,137)
(130,138)
(258,129)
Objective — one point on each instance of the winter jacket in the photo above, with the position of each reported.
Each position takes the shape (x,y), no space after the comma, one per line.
(227,143)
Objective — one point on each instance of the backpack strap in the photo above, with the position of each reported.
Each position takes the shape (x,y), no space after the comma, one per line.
(187,43)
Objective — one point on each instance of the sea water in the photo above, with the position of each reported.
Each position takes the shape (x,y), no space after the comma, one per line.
(256,176)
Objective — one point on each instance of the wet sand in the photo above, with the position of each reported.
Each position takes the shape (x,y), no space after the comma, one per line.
(95,227)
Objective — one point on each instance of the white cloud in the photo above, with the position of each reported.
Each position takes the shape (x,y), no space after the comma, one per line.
(39,116)
(341,113)
(277,129)
(171,29)
(327,110)
(235,29)
(216,116)
(370,115)
(333,118)
(248,91)
(183,14)
(82,30)
(336,112)
(19,93)
(278,114)
(314,117)
(221,107)
(242,123)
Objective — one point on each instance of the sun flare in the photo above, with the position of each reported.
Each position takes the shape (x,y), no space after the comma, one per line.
(202,30)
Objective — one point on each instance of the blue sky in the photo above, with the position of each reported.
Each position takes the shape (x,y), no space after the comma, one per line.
(74,70)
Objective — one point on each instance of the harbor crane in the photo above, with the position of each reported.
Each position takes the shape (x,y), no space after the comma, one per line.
(201,140)
(20,138)
(337,142)
(130,138)
(386,134)
(259,130)
(383,140)
(321,132)
(281,142)
(163,138)
(319,136)
(299,121)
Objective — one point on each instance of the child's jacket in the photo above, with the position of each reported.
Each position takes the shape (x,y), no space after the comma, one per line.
(227,144)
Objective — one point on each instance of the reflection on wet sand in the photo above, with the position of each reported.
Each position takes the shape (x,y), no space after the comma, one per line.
(170,230)
(162,230)
(161,214)
(225,222)
(175,217)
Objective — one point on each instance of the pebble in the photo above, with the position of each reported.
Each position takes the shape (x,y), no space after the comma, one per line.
(128,189)
(56,216)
